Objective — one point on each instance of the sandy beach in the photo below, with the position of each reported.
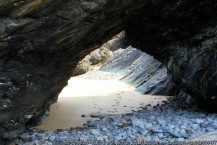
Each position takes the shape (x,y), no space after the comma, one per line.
(86,95)
(113,111)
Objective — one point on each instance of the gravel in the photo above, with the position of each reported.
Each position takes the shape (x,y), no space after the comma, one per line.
(160,123)
(153,124)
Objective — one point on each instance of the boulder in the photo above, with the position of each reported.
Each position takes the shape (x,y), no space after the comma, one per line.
(96,58)
(93,60)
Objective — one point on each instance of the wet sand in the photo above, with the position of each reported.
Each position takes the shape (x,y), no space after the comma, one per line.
(88,96)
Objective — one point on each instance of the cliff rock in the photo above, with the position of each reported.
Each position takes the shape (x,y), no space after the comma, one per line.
(41,43)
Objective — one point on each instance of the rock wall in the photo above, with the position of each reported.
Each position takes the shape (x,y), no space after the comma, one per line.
(182,34)
(146,74)
(92,61)
(42,41)
(141,70)
(96,58)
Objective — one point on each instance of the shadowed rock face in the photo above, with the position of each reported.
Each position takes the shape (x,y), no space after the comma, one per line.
(165,25)
(193,68)
(183,35)
(42,41)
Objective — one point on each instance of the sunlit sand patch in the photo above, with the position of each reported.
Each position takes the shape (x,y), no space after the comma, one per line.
(87,96)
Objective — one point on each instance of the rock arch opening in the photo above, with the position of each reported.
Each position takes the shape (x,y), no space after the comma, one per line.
(115,83)
(42,41)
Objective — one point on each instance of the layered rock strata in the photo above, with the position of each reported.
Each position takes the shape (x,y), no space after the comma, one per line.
(41,42)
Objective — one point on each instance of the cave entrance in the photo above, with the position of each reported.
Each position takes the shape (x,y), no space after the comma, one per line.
(112,86)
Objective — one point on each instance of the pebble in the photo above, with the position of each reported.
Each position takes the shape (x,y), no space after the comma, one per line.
(137,123)
(99,138)
(149,125)
(209,129)
(160,135)
(36,142)
(195,126)
(148,138)
(153,124)
(198,121)
(180,139)
(52,138)
(183,127)
(61,139)
(95,132)
(144,132)
(47,143)
(155,130)
(215,126)
(84,115)
(183,132)
(98,115)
